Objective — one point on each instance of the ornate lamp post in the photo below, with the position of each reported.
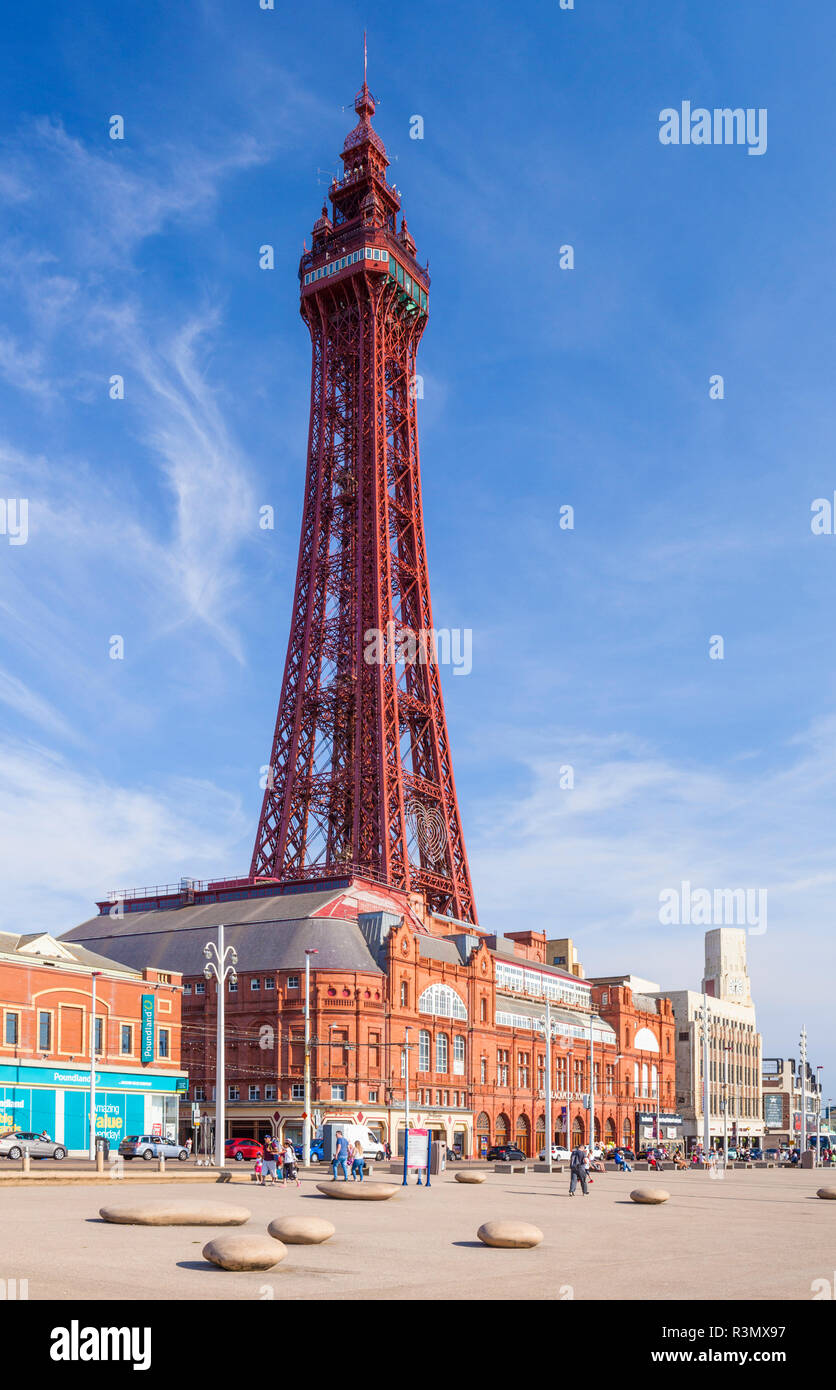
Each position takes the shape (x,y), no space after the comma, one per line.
(220,962)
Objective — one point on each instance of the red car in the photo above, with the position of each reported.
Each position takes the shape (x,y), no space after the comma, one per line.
(243,1148)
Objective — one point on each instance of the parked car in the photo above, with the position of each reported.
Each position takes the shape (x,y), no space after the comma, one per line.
(13,1142)
(151,1146)
(505,1153)
(239,1149)
(558,1153)
(755,1155)
(317,1151)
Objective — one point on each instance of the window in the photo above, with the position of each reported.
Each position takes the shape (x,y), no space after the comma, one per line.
(44,1032)
(200,1092)
(338,1092)
(269,982)
(423,299)
(293,981)
(200,987)
(438,1099)
(423,1050)
(502,1068)
(404,994)
(233,1093)
(522,1070)
(254,1093)
(162,1045)
(400,274)
(297,1091)
(12,1033)
(233,985)
(187,989)
(269,1093)
(441,1001)
(483,1010)
(458,1055)
(372,1097)
(644,1078)
(255,985)
(483,1071)
(654,1082)
(541,1073)
(126,1039)
(441,1052)
(636,1078)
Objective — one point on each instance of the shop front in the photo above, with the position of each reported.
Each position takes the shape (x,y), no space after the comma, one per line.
(57,1100)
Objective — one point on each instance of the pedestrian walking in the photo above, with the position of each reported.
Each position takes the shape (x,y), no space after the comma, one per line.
(189,1145)
(269,1162)
(340,1159)
(258,1170)
(577,1168)
(289,1171)
(357,1162)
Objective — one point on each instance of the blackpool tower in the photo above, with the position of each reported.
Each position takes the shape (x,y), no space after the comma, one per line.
(360,775)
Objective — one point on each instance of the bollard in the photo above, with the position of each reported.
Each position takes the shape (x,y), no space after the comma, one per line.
(161,1163)
(99,1160)
(26,1158)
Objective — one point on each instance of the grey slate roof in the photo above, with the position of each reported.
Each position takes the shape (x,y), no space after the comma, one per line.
(436,948)
(10,942)
(268,933)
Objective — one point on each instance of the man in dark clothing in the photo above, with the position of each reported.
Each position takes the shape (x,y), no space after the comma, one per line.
(577,1168)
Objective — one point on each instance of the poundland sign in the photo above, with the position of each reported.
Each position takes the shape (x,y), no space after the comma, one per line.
(147,1028)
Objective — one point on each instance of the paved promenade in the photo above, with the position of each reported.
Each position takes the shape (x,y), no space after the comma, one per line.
(752,1235)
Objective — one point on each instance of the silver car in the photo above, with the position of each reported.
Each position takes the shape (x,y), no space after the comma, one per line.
(13,1143)
(152,1146)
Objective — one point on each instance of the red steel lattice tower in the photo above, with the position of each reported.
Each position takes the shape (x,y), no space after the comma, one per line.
(361,777)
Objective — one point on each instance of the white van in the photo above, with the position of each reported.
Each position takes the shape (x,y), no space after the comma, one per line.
(373,1150)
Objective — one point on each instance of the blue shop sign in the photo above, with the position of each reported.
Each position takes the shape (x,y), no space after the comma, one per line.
(107,1080)
(147,1053)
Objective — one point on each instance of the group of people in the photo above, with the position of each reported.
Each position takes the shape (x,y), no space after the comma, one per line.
(276,1163)
(347,1155)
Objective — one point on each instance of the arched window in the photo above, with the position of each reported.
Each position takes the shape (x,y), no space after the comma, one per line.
(404,994)
(645,1041)
(627,1130)
(644,1078)
(441,1052)
(501,1128)
(609,1131)
(636,1090)
(577,1131)
(442,1001)
(654,1081)
(458,1054)
(423,1050)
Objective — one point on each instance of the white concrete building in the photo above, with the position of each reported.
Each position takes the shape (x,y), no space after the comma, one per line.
(734,1046)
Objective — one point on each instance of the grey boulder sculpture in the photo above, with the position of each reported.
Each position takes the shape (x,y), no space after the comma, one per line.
(301,1230)
(510,1235)
(176,1214)
(358,1191)
(649,1196)
(244,1252)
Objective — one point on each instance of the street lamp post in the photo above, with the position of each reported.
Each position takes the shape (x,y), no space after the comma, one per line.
(549,1122)
(220,962)
(306,1123)
(591,1086)
(725,1104)
(95,976)
(818,1136)
(706,1093)
(803,1052)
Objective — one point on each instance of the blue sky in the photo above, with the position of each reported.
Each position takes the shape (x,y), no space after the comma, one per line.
(542,387)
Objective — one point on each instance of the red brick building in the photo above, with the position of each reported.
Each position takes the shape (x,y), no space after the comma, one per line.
(46,1034)
(473,1005)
